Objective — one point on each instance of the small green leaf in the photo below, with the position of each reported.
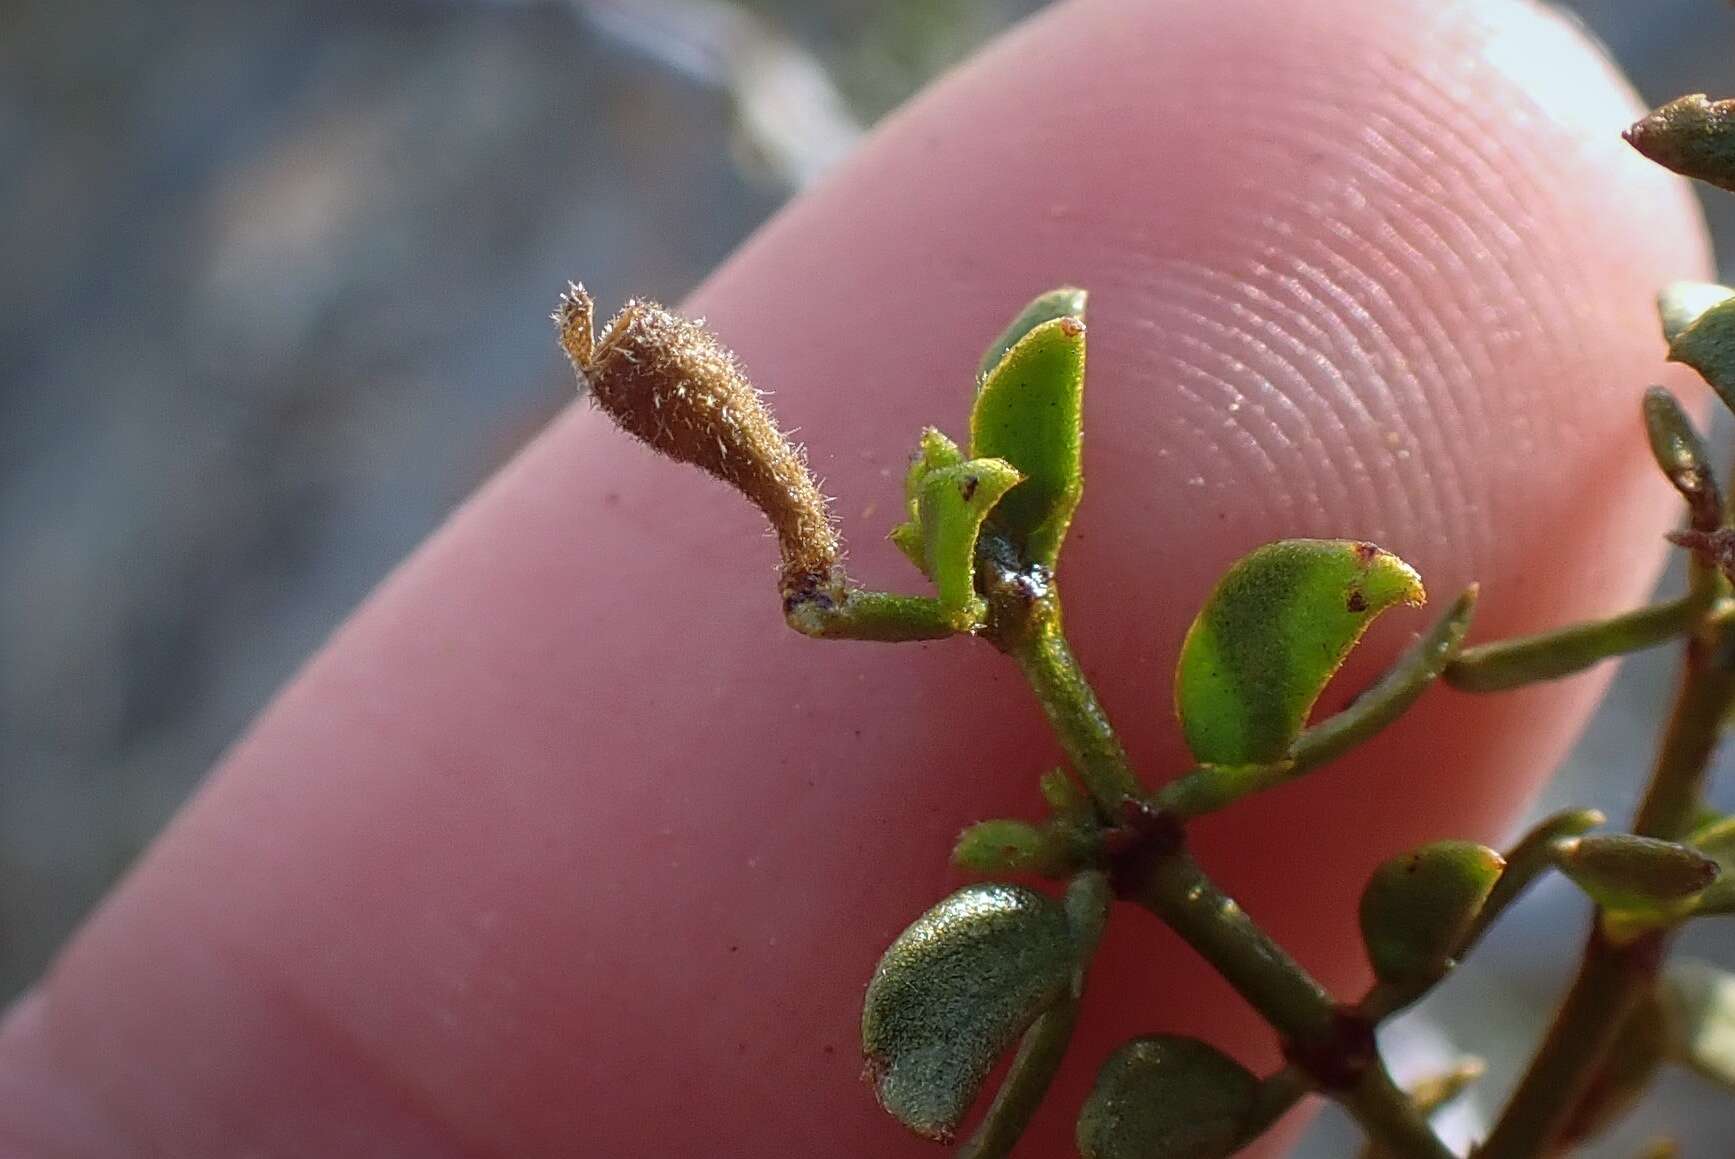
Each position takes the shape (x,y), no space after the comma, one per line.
(1030,413)
(1419,906)
(1006,846)
(1693,136)
(1680,304)
(1698,1001)
(954,992)
(1167,1097)
(1066,302)
(933,452)
(1620,871)
(1274,631)
(1683,457)
(953,505)
(1708,346)
(1063,794)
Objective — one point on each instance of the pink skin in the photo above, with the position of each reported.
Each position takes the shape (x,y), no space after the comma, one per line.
(566,846)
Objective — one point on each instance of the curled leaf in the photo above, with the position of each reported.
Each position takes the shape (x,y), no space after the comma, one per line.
(1418,907)
(954,503)
(933,452)
(953,993)
(1620,871)
(1167,1097)
(1030,413)
(1272,634)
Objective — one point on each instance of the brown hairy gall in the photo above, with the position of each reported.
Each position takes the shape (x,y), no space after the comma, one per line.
(667,381)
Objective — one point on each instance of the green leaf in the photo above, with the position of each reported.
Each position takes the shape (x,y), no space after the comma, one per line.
(1274,631)
(1708,346)
(933,452)
(954,992)
(1007,846)
(1620,871)
(1030,413)
(1167,1097)
(952,507)
(1683,457)
(1066,302)
(1418,907)
(1680,304)
(1693,136)
(1698,1002)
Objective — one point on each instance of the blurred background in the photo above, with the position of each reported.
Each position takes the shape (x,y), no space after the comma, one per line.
(273,286)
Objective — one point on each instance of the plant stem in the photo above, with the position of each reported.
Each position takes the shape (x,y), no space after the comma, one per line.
(1073,711)
(1613,978)
(1158,873)
(1529,659)
(880,616)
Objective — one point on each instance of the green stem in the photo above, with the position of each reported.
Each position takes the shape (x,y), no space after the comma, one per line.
(1024,621)
(879,616)
(1390,1117)
(1529,659)
(1043,1047)
(1613,978)
(1176,889)
(1074,713)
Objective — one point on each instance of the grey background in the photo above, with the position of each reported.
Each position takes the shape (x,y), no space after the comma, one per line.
(272,287)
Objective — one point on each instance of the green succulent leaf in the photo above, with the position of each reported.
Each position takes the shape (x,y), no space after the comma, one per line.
(1030,413)
(1167,1097)
(1008,846)
(1272,634)
(1066,302)
(1698,1002)
(954,992)
(1708,346)
(954,503)
(933,452)
(1418,907)
(1693,136)
(1681,453)
(1623,872)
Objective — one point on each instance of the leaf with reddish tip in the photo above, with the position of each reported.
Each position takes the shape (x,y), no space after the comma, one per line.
(1066,302)
(1273,633)
(1418,907)
(1693,135)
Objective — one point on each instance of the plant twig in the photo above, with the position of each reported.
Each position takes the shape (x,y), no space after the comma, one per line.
(1613,978)
(1551,655)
